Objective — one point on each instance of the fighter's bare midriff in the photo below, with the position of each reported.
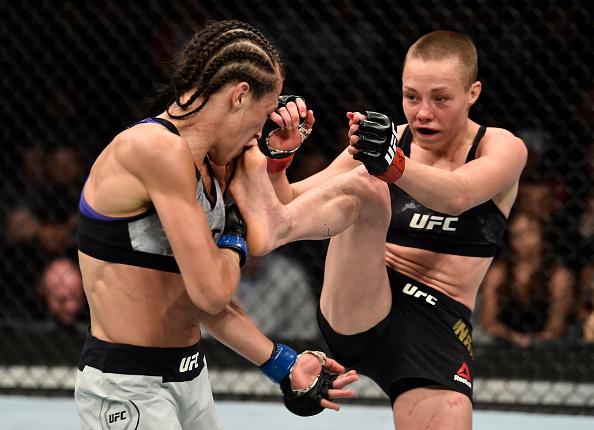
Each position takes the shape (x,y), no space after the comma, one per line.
(138,306)
(457,276)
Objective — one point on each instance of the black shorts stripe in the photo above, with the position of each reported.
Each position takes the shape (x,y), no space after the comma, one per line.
(172,364)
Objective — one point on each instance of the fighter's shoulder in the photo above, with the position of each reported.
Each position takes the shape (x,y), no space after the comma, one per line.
(496,134)
(497,138)
(149,139)
(150,148)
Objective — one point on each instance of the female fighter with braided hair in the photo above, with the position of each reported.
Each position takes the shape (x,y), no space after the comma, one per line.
(443,216)
(160,254)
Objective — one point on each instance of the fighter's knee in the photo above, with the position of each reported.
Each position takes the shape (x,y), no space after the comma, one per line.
(368,187)
(372,192)
(456,399)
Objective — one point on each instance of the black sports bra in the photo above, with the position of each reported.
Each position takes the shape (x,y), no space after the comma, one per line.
(140,240)
(477,232)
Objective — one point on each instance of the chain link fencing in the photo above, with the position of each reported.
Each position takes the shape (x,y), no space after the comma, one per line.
(76,73)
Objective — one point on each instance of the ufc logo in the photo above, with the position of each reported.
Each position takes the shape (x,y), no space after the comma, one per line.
(117,416)
(392,148)
(427,222)
(414,291)
(188,363)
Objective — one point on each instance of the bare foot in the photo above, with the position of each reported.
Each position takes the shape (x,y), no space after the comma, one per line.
(260,209)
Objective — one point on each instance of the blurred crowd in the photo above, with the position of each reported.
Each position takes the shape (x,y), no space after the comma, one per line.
(540,288)
(39,274)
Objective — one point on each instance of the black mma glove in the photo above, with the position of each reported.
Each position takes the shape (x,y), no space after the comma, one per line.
(378,147)
(270,127)
(233,236)
(304,402)
(307,403)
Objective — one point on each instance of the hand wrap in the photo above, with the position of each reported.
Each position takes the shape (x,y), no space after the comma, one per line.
(378,147)
(233,236)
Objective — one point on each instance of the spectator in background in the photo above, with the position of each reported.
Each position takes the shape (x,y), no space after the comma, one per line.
(57,207)
(39,225)
(43,217)
(578,228)
(61,288)
(276,293)
(21,224)
(545,199)
(585,108)
(585,228)
(21,263)
(586,303)
(25,177)
(538,173)
(526,297)
(20,266)
(535,197)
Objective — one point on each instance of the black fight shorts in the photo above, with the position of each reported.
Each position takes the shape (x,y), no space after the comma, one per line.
(426,340)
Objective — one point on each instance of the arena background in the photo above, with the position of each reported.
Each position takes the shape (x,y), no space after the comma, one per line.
(76,73)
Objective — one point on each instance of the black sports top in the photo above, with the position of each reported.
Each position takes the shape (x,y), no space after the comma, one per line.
(140,240)
(478,232)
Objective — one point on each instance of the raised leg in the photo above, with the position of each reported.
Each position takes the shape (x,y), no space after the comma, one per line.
(354,210)
(356,293)
(319,213)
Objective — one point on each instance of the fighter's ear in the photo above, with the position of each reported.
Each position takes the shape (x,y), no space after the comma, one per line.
(240,94)
(474,92)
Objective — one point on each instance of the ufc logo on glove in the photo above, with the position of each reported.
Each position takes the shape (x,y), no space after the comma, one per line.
(378,147)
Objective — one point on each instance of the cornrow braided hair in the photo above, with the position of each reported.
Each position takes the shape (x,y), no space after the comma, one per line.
(223,52)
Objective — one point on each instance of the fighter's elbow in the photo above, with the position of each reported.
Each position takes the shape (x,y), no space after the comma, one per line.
(456,206)
(214,304)
(211,300)
(215,308)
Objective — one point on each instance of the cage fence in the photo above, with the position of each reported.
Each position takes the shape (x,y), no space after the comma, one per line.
(77,73)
